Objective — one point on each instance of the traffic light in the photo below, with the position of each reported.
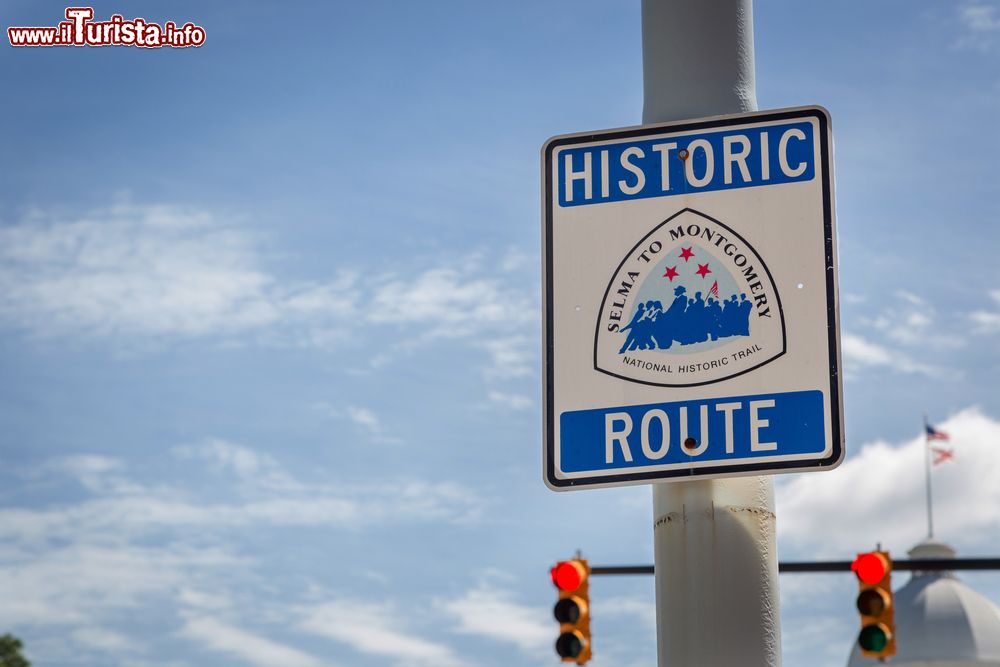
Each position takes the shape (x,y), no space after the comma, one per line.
(572,610)
(877,638)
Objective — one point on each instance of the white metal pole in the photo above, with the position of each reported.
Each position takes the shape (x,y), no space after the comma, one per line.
(927,468)
(714,541)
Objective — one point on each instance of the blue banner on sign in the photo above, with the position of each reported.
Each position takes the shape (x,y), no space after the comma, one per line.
(716,430)
(674,165)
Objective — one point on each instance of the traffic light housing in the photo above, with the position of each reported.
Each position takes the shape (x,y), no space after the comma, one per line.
(877,638)
(572,610)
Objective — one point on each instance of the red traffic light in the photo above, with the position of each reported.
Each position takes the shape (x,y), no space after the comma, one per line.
(572,610)
(871,568)
(568,576)
(874,572)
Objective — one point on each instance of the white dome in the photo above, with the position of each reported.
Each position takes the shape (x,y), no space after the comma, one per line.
(940,622)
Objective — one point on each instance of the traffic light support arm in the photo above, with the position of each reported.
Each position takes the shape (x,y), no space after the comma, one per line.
(921,564)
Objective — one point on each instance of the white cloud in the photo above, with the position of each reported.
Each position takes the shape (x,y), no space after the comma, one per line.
(910,320)
(799,589)
(980,22)
(370,424)
(105,640)
(988,321)
(375,629)
(860,353)
(144,274)
(89,465)
(156,511)
(857,349)
(512,356)
(83,582)
(272,497)
(641,611)
(363,417)
(453,301)
(491,612)
(134,270)
(100,474)
(220,636)
(152,511)
(911,298)
(245,463)
(198,599)
(511,401)
(819,639)
(80,567)
(516,259)
(446,501)
(878,494)
(980,17)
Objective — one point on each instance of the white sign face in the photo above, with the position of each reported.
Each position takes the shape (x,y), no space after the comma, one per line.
(691,314)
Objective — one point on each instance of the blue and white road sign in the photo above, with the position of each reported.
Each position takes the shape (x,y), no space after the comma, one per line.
(691,312)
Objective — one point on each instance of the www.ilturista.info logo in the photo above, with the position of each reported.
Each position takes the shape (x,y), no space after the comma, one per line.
(81,30)
(692,303)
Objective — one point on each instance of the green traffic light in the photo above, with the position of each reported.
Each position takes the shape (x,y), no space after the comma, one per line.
(873,638)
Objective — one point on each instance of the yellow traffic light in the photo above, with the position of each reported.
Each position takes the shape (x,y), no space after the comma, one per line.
(877,638)
(572,610)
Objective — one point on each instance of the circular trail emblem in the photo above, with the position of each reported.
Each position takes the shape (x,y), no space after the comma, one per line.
(692,303)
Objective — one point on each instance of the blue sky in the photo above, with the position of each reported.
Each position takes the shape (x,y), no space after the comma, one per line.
(270,320)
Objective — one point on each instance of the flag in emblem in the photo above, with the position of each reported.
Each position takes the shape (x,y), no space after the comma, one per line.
(934,434)
(714,291)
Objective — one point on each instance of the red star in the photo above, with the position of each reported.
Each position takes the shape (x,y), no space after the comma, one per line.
(703,270)
(671,273)
(686,253)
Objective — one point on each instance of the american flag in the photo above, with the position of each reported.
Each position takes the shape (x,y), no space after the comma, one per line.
(934,434)
(714,291)
(941,454)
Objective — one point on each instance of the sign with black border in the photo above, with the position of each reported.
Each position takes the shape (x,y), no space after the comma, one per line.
(691,324)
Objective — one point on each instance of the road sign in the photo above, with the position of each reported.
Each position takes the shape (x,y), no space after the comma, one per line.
(691,309)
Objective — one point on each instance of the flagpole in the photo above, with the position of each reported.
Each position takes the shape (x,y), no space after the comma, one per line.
(927,466)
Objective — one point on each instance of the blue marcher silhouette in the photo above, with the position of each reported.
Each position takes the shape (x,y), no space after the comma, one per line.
(714,319)
(743,321)
(631,342)
(686,321)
